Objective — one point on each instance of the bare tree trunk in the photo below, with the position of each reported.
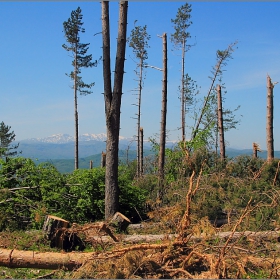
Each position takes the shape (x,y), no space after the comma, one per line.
(255,152)
(103,159)
(76,116)
(113,103)
(269,124)
(161,160)
(220,123)
(183,107)
(256,149)
(139,173)
(141,150)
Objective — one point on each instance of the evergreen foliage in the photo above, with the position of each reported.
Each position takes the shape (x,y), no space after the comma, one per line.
(7,137)
(181,24)
(72,30)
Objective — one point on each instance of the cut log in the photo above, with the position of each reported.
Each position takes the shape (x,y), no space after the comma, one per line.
(120,222)
(48,260)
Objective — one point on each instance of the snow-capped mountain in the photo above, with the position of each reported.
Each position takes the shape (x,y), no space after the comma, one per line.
(66,138)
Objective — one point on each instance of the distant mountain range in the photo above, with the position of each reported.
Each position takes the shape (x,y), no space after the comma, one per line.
(59,150)
(61,146)
(66,138)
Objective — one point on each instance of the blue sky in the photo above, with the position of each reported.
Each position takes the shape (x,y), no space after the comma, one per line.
(37,101)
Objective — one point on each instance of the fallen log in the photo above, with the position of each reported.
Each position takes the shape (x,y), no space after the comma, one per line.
(52,260)
(147,238)
(48,260)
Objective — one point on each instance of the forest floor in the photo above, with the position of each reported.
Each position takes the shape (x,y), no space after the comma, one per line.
(153,250)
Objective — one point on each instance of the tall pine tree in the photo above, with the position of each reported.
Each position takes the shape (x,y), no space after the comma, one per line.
(7,137)
(179,38)
(72,30)
(138,41)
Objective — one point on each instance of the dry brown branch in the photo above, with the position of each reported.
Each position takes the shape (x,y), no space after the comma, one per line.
(225,248)
(258,174)
(186,220)
(175,271)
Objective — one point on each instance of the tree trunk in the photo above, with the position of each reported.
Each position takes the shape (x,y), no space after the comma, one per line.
(269,124)
(76,115)
(60,236)
(220,123)
(52,223)
(183,107)
(161,160)
(217,71)
(113,103)
(141,150)
(52,260)
(256,149)
(48,260)
(139,120)
(103,159)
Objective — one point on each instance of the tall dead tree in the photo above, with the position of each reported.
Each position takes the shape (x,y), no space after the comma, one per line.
(221,123)
(113,103)
(269,123)
(161,159)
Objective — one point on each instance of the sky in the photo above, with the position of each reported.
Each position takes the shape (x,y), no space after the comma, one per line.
(36,95)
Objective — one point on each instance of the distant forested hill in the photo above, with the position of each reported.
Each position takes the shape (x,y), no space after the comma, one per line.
(61,155)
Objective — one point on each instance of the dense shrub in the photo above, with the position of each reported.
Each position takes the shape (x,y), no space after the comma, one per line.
(28,192)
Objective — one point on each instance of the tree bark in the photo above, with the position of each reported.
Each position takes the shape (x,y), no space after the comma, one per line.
(161,160)
(49,260)
(113,103)
(217,71)
(183,107)
(139,120)
(220,123)
(103,159)
(141,150)
(76,115)
(269,124)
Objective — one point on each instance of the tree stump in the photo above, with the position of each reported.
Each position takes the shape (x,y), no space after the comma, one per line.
(60,236)
(120,222)
(52,223)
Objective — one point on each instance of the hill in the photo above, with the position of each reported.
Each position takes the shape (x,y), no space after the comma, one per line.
(67,165)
